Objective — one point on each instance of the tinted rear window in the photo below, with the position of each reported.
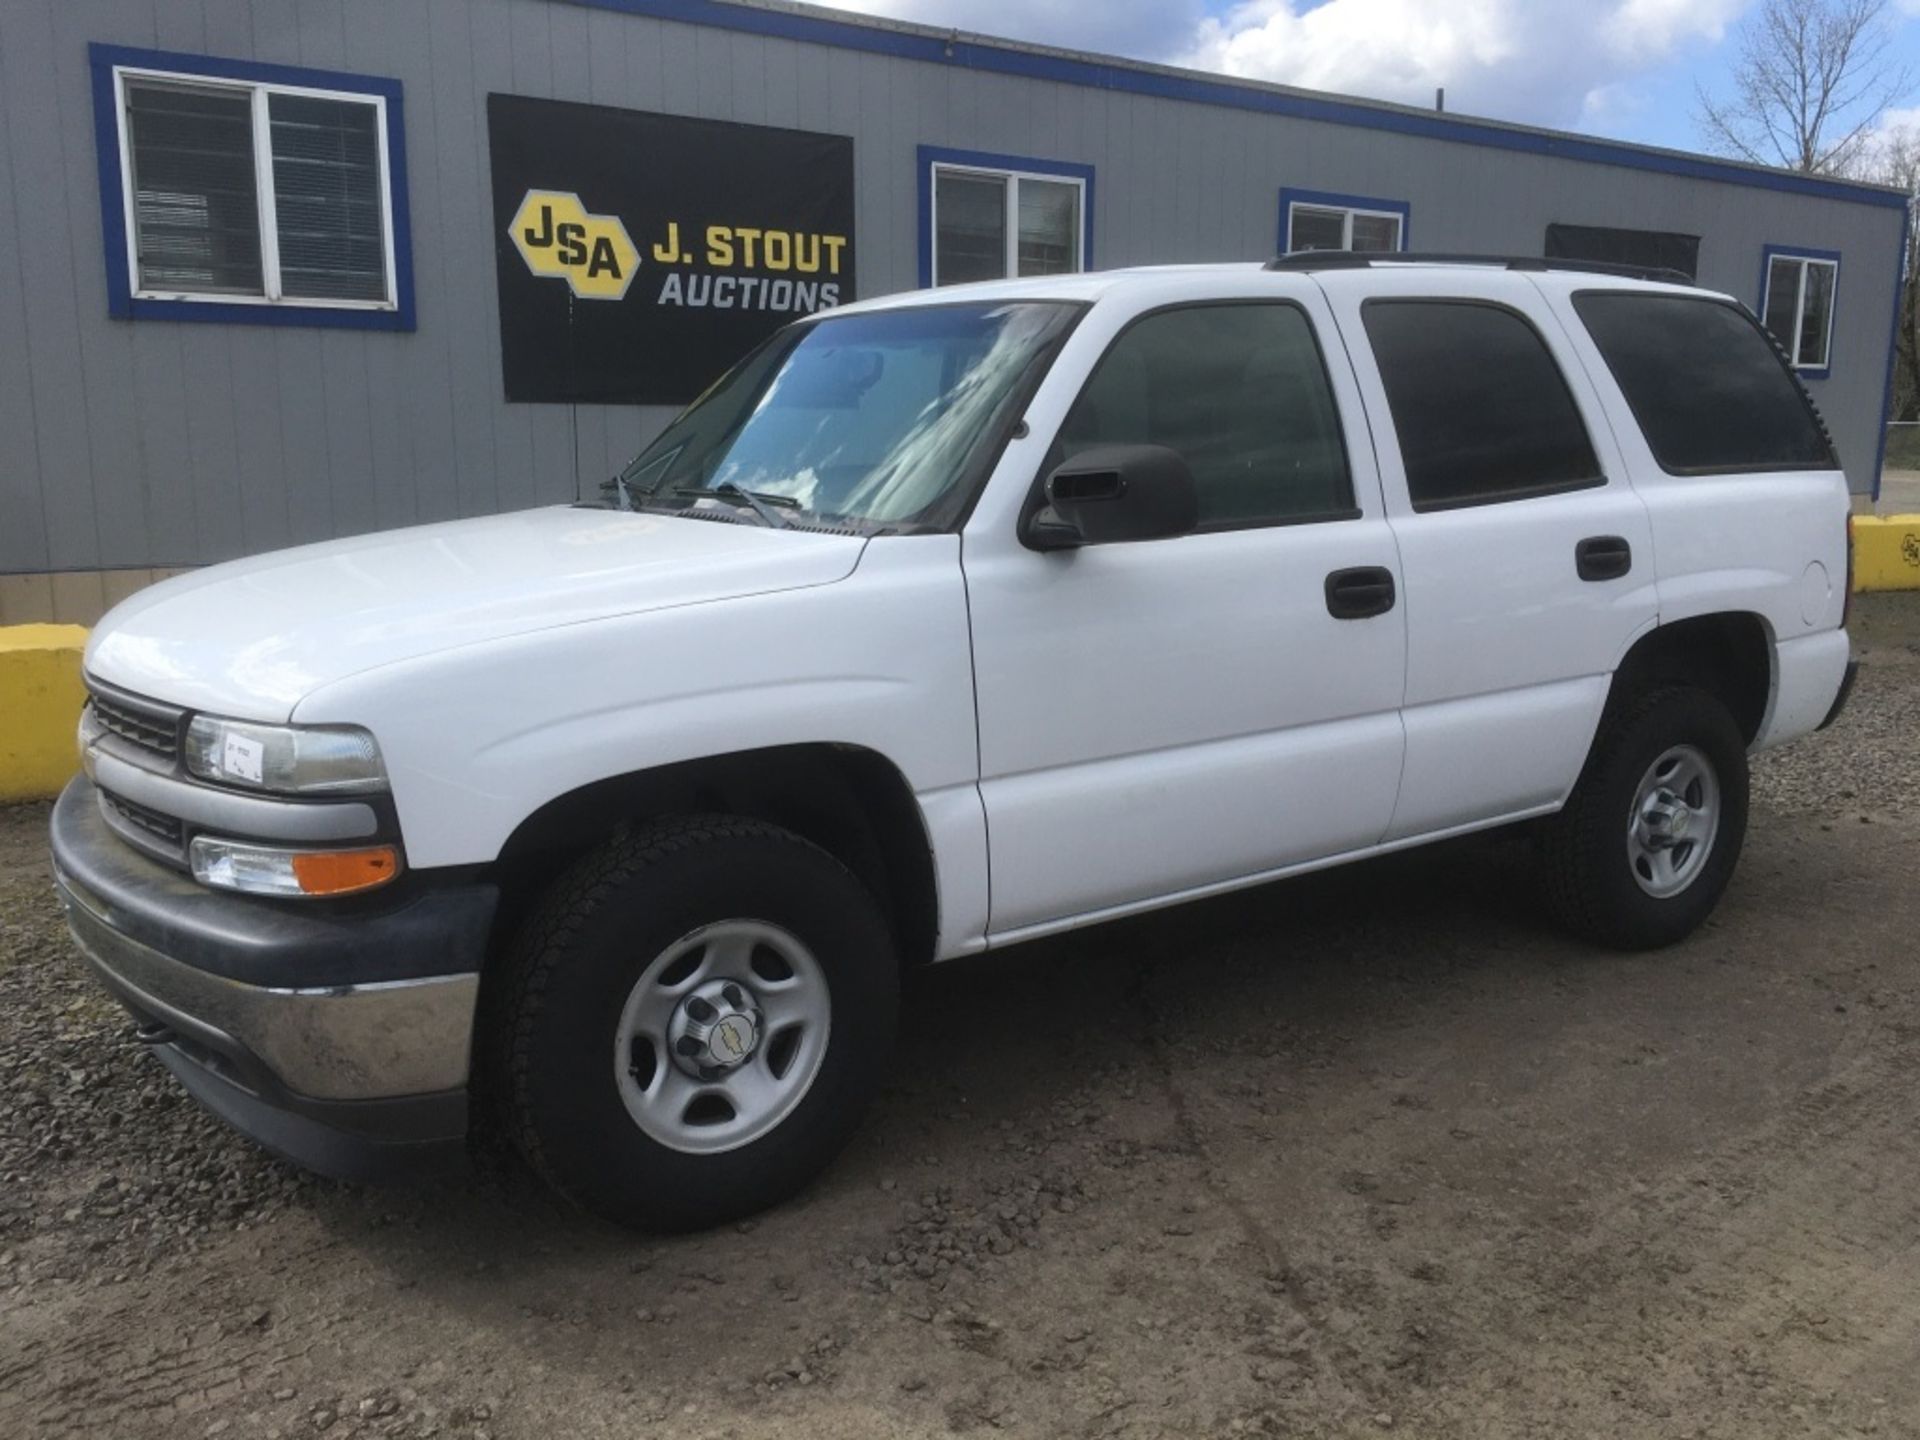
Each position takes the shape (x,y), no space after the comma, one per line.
(1482,411)
(1710,393)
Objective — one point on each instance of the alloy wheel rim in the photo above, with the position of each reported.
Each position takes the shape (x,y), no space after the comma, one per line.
(1674,821)
(722,1036)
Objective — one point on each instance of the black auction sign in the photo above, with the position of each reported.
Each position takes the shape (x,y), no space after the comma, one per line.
(641,255)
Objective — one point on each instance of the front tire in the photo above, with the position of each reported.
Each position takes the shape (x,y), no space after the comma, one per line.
(693,1021)
(1650,836)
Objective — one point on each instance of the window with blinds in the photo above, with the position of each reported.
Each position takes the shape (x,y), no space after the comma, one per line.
(1797,307)
(996,224)
(326,198)
(256,193)
(196,204)
(1314,226)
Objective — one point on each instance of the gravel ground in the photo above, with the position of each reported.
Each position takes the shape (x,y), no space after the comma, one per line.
(1870,762)
(1899,494)
(1371,1152)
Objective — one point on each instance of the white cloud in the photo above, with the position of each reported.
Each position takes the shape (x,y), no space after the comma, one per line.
(1890,154)
(1388,48)
(1612,104)
(1515,59)
(1540,61)
(1142,29)
(1654,28)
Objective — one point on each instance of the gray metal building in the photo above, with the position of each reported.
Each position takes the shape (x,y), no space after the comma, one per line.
(254,271)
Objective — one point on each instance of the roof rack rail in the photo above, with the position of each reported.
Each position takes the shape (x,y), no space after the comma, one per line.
(1362,259)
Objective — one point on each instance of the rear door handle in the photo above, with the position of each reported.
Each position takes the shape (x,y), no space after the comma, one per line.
(1360,592)
(1603,557)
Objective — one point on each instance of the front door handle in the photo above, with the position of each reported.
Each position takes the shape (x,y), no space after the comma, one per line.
(1603,557)
(1360,592)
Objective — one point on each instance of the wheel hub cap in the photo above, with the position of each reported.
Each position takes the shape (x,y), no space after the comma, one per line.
(1668,819)
(1675,818)
(715,1029)
(722,1036)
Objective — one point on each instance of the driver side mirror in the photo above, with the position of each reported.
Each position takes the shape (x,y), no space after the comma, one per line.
(1112,493)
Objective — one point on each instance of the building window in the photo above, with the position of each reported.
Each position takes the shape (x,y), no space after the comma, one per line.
(1311,220)
(991,217)
(239,191)
(1796,306)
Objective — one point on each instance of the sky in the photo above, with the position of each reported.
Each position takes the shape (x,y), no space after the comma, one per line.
(1625,69)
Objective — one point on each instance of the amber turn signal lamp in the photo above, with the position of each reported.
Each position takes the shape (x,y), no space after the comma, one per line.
(341,872)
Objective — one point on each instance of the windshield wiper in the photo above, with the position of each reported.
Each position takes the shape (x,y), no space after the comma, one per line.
(620,490)
(760,503)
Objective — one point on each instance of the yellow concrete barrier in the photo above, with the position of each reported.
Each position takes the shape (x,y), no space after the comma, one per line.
(40,699)
(1886,552)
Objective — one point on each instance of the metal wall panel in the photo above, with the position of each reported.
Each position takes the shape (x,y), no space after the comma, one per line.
(55,459)
(23,518)
(154,443)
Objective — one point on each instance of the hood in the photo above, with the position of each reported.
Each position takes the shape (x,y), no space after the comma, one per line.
(252,637)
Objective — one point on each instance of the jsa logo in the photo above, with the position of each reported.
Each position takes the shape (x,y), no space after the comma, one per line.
(558,238)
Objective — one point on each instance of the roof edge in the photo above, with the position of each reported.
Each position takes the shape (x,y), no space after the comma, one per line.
(901,39)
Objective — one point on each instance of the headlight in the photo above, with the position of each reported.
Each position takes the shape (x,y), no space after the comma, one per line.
(290,759)
(270,870)
(90,730)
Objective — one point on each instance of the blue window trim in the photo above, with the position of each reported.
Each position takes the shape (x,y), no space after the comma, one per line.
(123,304)
(1328,200)
(928,156)
(1770,253)
(1893,341)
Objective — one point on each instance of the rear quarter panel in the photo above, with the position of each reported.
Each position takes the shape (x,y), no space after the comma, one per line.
(1772,545)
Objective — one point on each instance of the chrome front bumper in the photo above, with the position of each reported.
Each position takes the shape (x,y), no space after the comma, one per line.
(340,1037)
(337,1042)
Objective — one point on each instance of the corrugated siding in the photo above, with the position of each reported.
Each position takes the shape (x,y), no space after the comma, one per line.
(69,597)
(151,443)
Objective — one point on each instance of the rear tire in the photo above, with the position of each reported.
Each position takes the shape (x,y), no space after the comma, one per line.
(1650,836)
(614,1081)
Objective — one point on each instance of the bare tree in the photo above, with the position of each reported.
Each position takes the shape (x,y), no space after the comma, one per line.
(1893,158)
(1812,80)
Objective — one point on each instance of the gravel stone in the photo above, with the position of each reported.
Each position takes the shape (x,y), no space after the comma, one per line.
(1863,767)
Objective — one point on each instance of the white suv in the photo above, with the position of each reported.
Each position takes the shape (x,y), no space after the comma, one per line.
(942,622)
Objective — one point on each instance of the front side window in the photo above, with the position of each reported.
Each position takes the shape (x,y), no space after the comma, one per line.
(1241,392)
(1481,408)
(1708,391)
(1331,225)
(881,420)
(255,193)
(989,223)
(1798,306)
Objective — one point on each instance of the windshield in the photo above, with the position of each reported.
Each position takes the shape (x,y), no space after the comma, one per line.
(874,420)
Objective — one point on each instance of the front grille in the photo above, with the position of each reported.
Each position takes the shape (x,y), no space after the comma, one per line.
(150,727)
(164,828)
